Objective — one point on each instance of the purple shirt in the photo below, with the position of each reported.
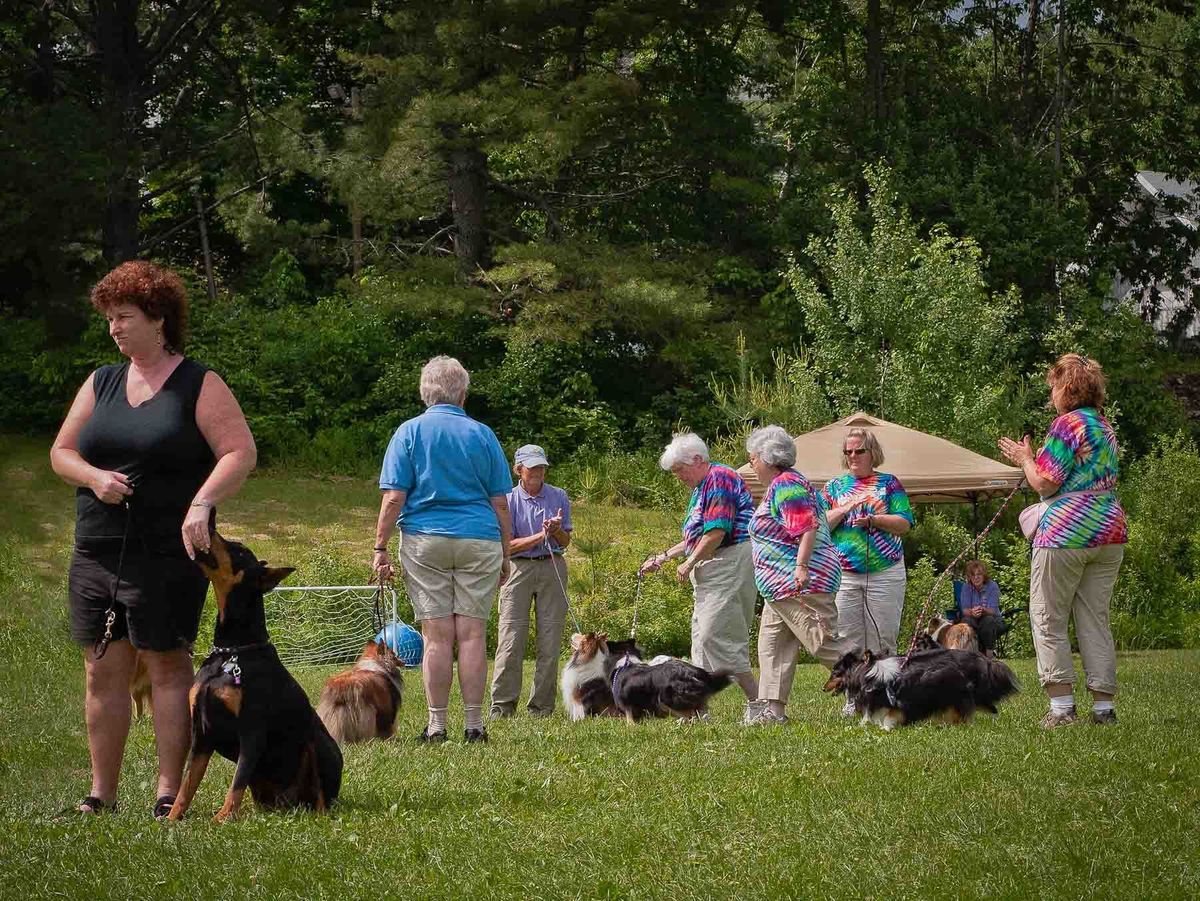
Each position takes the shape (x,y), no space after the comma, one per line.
(528,511)
(988,596)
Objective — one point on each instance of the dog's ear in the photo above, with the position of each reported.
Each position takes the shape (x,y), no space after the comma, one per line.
(602,637)
(576,641)
(270,576)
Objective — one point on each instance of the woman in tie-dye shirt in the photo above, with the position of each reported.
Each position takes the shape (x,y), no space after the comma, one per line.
(868,512)
(716,552)
(797,569)
(1079,542)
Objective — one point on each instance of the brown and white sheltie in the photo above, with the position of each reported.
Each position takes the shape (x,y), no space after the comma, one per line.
(952,636)
(139,687)
(362,702)
(585,685)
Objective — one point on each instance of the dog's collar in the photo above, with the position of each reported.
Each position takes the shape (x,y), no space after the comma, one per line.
(624,662)
(238,649)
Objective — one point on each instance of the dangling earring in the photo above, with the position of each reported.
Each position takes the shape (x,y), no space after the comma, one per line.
(160,338)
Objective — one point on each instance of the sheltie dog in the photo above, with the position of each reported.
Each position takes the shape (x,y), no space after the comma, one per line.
(667,686)
(953,636)
(586,690)
(941,683)
(139,688)
(362,702)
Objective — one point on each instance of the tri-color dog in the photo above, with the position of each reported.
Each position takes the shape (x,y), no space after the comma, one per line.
(247,707)
(891,692)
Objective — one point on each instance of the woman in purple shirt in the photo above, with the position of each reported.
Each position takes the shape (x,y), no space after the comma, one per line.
(541,518)
(979,605)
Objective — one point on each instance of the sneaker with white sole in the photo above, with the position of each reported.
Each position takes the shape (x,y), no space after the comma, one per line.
(1055,718)
(768,717)
(753,709)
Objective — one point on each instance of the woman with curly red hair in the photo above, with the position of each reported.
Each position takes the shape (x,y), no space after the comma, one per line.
(152,445)
(1079,540)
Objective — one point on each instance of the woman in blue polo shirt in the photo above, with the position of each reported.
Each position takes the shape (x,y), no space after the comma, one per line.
(444,481)
(541,516)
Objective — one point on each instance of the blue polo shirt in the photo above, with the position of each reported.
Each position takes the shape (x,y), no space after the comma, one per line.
(450,466)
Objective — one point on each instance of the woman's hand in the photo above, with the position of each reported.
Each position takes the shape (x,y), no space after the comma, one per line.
(111,487)
(802,575)
(652,564)
(505,569)
(683,571)
(1018,453)
(195,528)
(381,566)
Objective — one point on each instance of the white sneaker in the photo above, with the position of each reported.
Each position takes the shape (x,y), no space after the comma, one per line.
(768,717)
(848,710)
(753,709)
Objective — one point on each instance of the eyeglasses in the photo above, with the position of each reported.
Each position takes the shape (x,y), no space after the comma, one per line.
(855,451)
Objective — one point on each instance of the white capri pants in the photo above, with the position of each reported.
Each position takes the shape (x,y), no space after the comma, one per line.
(869,607)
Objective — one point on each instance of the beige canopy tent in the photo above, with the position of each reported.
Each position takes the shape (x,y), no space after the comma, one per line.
(932,470)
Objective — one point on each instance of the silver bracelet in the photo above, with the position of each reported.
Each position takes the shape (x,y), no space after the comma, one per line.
(208,504)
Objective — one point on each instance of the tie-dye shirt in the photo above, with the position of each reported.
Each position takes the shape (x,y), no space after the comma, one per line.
(1080,453)
(863,550)
(720,501)
(791,508)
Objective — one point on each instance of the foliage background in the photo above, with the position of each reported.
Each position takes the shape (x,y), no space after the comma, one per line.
(625,217)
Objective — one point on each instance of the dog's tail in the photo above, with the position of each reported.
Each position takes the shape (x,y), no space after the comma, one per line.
(345,715)
(998,682)
(717,681)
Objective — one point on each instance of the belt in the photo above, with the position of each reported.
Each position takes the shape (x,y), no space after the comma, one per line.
(543,557)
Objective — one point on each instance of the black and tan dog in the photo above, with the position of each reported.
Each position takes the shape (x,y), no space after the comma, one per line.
(247,707)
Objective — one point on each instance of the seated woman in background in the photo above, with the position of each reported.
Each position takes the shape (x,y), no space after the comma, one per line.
(979,605)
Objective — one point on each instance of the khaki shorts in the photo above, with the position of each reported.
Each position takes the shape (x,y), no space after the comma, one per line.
(446,576)
(724,592)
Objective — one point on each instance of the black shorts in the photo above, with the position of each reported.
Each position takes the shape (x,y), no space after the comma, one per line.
(159,600)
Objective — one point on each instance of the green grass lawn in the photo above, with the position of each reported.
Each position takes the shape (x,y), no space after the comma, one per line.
(818,808)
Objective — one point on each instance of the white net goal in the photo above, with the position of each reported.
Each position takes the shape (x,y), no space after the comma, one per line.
(325,625)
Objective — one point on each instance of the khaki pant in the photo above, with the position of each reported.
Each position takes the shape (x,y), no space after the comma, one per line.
(724,593)
(1074,582)
(869,607)
(450,576)
(530,579)
(809,620)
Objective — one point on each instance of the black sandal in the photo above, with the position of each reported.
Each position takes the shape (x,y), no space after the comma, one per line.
(163,806)
(95,806)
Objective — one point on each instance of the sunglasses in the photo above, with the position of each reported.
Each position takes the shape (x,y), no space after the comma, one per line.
(854,452)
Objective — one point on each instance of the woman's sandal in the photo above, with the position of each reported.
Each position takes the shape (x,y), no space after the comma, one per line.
(163,806)
(93,806)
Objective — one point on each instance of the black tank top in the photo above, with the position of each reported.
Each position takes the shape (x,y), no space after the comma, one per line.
(158,445)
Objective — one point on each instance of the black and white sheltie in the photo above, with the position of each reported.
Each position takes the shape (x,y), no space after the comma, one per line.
(942,683)
(667,686)
(611,678)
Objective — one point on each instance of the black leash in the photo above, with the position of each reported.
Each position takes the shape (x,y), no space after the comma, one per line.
(110,615)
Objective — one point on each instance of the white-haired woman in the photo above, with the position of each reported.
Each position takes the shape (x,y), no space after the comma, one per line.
(716,552)
(796,568)
(868,512)
(445,480)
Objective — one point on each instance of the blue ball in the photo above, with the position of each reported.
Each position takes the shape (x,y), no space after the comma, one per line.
(405,642)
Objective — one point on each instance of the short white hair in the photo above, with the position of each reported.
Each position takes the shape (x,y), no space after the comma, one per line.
(444,381)
(684,448)
(773,445)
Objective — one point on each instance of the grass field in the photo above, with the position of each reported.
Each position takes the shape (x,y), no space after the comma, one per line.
(818,808)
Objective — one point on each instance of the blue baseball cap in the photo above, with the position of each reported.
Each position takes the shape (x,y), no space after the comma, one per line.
(530,455)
